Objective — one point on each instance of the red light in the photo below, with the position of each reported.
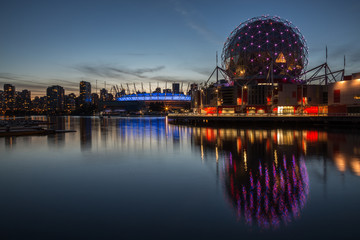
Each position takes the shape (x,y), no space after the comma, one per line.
(311,110)
(312,136)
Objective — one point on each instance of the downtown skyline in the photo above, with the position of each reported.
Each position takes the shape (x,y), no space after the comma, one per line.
(48,43)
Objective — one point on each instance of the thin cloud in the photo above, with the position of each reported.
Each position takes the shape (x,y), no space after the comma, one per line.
(37,87)
(194,23)
(203,71)
(17,79)
(117,72)
(172,79)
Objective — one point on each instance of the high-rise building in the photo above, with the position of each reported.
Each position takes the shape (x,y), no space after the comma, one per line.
(55,99)
(9,96)
(95,99)
(103,94)
(23,100)
(1,99)
(70,102)
(85,93)
(176,88)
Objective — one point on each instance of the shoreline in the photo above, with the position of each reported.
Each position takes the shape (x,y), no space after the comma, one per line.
(265,120)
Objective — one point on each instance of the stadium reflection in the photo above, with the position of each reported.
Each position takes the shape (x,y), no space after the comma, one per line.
(264,173)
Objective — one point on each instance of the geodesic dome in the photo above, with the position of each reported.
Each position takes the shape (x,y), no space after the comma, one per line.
(262,44)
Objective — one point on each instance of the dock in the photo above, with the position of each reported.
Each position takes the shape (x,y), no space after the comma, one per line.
(265,120)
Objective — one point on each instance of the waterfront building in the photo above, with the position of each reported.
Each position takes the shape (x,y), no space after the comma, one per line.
(39,104)
(263,65)
(70,102)
(103,94)
(23,100)
(95,99)
(85,93)
(9,97)
(55,99)
(344,96)
(2,100)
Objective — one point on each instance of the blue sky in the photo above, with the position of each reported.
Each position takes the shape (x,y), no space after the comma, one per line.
(47,42)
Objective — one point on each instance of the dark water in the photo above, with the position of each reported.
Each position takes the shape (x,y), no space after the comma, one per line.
(142,178)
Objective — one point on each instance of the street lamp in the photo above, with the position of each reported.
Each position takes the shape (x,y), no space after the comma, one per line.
(242,96)
(217,102)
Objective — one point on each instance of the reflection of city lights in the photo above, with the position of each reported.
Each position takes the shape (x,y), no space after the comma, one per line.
(217,154)
(340,162)
(275,157)
(245,160)
(271,195)
(238,145)
(355,166)
(202,152)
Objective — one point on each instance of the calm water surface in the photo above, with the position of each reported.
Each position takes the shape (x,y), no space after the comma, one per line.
(132,178)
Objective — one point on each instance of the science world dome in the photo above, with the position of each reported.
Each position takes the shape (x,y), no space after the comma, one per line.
(265,47)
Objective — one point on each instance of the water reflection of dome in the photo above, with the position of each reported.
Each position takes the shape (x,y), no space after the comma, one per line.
(269,195)
(241,153)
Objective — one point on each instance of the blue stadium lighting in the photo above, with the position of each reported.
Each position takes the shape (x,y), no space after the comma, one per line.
(154,97)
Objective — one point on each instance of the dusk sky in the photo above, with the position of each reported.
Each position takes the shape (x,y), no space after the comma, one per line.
(46,42)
